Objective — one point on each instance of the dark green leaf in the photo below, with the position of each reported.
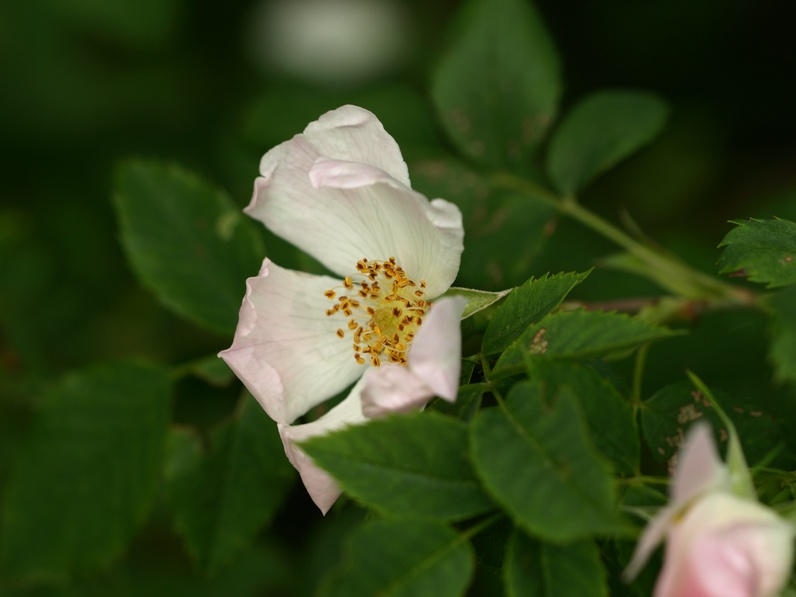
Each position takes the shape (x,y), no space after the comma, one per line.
(467,404)
(406,465)
(536,459)
(667,415)
(581,334)
(497,86)
(600,131)
(223,499)
(87,473)
(403,558)
(609,416)
(783,333)
(496,223)
(549,570)
(762,250)
(187,242)
(526,305)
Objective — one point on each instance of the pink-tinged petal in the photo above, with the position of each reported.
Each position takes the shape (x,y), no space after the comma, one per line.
(285,349)
(356,135)
(699,468)
(725,546)
(393,389)
(341,174)
(747,559)
(319,484)
(653,534)
(436,353)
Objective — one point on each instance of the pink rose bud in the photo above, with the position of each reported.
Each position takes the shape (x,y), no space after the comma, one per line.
(718,544)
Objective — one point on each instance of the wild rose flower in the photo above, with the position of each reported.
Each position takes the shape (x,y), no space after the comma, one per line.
(718,544)
(341,192)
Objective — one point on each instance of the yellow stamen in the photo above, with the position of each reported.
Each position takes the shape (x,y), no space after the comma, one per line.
(391,304)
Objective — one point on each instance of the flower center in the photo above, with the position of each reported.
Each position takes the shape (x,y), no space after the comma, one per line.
(384,309)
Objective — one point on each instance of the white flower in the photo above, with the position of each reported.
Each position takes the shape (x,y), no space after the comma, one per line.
(340,191)
(718,544)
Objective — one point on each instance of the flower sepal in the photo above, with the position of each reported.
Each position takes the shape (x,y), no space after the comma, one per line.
(477,300)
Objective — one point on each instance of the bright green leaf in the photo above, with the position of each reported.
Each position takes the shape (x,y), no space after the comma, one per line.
(581,334)
(762,250)
(221,500)
(477,300)
(526,305)
(497,86)
(609,416)
(187,242)
(405,465)
(783,333)
(536,459)
(86,476)
(600,131)
(550,570)
(403,558)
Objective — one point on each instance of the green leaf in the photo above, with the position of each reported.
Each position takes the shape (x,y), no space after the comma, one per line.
(526,305)
(406,465)
(536,459)
(497,86)
(667,415)
(609,416)
(581,334)
(86,476)
(221,500)
(187,242)
(477,300)
(467,403)
(403,558)
(498,221)
(740,477)
(539,568)
(783,333)
(600,131)
(762,250)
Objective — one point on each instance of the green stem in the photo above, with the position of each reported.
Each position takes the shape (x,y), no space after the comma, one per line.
(638,375)
(481,526)
(664,268)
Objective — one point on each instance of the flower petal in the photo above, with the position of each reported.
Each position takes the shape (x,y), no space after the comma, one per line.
(726,541)
(393,389)
(319,484)
(653,534)
(340,192)
(285,349)
(699,468)
(746,559)
(354,134)
(434,366)
(436,353)
(357,211)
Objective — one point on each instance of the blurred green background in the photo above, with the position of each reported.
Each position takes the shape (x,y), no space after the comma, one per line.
(212,86)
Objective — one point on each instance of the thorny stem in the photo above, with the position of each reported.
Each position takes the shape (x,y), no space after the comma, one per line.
(662,267)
